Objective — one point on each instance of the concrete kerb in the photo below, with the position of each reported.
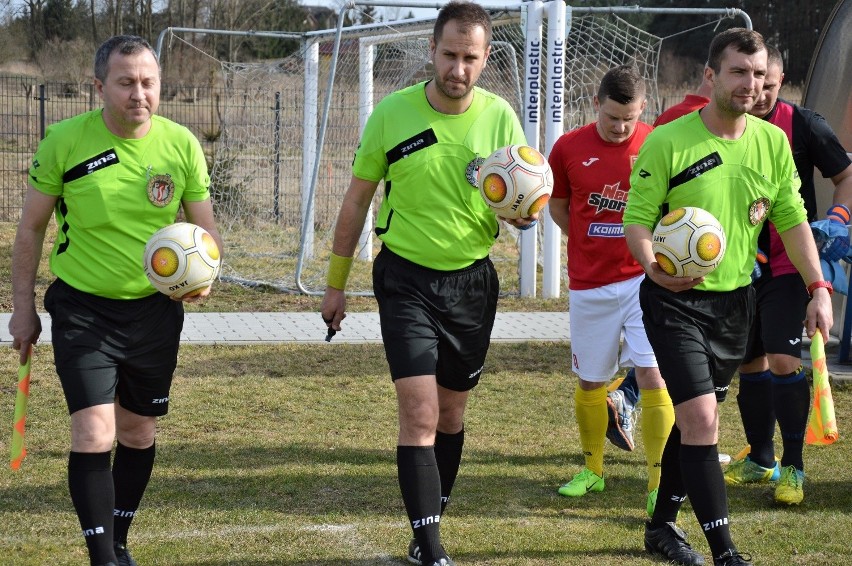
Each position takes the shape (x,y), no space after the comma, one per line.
(248,328)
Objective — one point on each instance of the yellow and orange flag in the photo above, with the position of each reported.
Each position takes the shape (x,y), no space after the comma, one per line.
(18,451)
(822,425)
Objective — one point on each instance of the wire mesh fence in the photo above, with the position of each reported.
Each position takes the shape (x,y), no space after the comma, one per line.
(30,104)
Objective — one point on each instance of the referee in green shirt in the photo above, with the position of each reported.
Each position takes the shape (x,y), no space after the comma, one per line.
(111,178)
(435,285)
(740,169)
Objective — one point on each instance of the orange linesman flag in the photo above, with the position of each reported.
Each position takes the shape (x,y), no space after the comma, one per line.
(822,426)
(17,449)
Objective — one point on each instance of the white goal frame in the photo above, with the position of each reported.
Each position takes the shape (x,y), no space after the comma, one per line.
(542,99)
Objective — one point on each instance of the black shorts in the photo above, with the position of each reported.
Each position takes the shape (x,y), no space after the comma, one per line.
(107,347)
(782,304)
(435,322)
(699,337)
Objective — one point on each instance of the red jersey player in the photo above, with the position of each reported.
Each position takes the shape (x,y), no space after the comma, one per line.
(591,172)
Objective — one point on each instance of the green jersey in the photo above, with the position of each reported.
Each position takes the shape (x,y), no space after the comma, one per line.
(742,182)
(114,193)
(432,213)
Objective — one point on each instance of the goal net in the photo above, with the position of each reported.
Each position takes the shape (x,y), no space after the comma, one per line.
(594,45)
(278,223)
(269,114)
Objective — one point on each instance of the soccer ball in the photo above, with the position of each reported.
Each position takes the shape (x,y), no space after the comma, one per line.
(181,260)
(516,181)
(688,242)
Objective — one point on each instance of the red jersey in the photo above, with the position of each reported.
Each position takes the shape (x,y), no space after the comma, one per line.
(595,176)
(690,103)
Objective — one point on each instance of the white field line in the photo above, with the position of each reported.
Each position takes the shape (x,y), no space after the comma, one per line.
(347,535)
(343,535)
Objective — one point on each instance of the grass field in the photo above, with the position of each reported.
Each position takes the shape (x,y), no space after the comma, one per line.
(285,455)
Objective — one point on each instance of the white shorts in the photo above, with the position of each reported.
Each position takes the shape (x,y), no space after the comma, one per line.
(600,320)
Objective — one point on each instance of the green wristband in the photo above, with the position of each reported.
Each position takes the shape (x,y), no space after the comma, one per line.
(338,271)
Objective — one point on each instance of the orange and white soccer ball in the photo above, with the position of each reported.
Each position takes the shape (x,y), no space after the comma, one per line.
(181,259)
(688,242)
(516,181)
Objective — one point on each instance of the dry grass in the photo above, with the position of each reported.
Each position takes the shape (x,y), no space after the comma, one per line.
(284,456)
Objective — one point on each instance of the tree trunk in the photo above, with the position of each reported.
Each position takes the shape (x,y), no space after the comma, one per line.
(94,22)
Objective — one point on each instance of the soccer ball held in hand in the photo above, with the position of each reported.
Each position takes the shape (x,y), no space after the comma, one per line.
(688,242)
(181,259)
(516,181)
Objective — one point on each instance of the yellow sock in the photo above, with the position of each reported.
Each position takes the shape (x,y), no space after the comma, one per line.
(592,418)
(657,420)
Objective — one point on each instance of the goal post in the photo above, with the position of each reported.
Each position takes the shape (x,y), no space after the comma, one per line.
(392,57)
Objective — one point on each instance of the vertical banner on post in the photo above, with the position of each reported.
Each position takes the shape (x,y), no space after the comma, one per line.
(554,102)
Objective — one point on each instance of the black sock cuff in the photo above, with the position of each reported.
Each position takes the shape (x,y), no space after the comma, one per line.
(793,377)
(416,455)
(756,376)
(693,453)
(448,439)
(132,456)
(93,461)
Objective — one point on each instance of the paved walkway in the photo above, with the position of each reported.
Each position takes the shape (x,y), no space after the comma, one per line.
(274,328)
(245,328)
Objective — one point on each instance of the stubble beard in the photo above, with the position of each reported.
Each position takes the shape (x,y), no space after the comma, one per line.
(734,109)
(445,90)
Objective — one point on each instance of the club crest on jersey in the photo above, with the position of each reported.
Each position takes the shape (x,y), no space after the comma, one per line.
(161,189)
(472,171)
(759,210)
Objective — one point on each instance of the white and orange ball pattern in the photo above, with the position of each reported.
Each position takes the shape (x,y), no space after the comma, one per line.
(688,242)
(181,260)
(516,181)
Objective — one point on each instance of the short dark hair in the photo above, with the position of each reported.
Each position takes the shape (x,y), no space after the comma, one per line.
(622,84)
(743,40)
(774,57)
(124,44)
(468,15)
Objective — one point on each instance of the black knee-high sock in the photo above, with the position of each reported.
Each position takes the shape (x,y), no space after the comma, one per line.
(90,485)
(791,395)
(758,416)
(671,492)
(448,452)
(420,484)
(131,470)
(705,485)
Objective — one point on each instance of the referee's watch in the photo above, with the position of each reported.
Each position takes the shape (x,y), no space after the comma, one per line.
(817,284)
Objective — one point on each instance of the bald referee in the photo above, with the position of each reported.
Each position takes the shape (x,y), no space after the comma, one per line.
(111,177)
